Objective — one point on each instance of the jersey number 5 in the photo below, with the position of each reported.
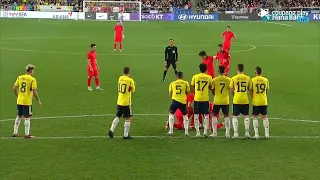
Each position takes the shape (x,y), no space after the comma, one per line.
(201,85)
(242,87)
(178,89)
(23,87)
(122,88)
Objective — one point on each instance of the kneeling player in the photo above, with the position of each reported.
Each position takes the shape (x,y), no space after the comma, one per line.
(220,90)
(259,88)
(178,91)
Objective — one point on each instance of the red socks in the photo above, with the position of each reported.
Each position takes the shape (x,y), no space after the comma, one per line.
(97,81)
(89,81)
(120,46)
(115,46)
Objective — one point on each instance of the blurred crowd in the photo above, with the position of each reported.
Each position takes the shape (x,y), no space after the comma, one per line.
(242,6)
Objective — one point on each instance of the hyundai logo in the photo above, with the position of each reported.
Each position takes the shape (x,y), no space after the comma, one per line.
(183,17)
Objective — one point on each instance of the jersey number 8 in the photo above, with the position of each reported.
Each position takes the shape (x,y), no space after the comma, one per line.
(23,87)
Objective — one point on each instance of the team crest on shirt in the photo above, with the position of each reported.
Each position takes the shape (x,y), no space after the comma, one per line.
(173,51)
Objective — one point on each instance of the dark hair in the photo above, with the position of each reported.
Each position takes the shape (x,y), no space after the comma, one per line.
(170,39)
(228,26)
(179,74)
(258,70)
(240,67)
(126,70)
(220,45)
(92,45)
(221,69)
(30,69)
(203,68)
(202,53)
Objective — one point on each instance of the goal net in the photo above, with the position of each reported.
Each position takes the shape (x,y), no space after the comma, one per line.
(112,10)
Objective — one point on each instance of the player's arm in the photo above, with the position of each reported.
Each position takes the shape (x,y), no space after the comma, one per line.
(192,87)
(15,87)
(187,88)
(231,87)
(132,87)
(267,89)
(89,62)
(166,55)
(170,90)
(251,88)
(176,58)
(213,88)
(122,32)
(35,92)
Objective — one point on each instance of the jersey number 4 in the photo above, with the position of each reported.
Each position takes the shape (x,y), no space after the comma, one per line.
(201,85)
(23,87)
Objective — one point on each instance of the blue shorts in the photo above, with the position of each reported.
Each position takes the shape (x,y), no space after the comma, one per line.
(24,111)
(201,107)
(178,105)
(240,109)
(256,110)
(124,111)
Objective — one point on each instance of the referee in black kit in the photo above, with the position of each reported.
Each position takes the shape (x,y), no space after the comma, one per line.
(171,58)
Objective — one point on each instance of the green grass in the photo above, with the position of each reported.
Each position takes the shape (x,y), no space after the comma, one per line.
(289,56)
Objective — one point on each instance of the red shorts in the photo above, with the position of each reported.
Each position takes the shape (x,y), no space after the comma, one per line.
(118,39)
(227,46)
(93,73)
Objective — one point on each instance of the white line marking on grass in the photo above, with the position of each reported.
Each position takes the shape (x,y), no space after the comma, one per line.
(281,24)
(19,38)
(104,115)
(154,137)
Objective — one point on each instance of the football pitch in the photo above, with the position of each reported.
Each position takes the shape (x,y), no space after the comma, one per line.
(72,124)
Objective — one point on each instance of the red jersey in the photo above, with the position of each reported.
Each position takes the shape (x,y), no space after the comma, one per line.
(224,58)
(118,30)
(209,62)
(190,98)
(92,57)
(228,35)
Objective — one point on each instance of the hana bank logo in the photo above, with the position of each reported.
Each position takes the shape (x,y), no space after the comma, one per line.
(264,14)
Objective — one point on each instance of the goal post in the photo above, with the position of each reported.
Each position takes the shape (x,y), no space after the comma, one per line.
(112,10)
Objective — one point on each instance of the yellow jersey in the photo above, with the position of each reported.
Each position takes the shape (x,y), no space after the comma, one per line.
(259,87)
(179,89)
(25,84)
(220,85)
(240,84)
(126,87)
(202,84)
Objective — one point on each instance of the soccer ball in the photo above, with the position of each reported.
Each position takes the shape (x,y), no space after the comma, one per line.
(206,11)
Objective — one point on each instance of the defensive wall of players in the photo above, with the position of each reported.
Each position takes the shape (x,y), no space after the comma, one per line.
(276,16)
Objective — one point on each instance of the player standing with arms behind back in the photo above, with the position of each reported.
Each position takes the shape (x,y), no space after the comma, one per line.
(118,36)
(170,58)
(208,60)
(178,91)
(93,68)
(126,86)
(259,89)
(223,57)
(200,85)
(239,86)
(227,38)
(25,88)
(220,90)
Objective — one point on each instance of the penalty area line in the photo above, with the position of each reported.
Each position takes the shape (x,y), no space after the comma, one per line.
(153,137)
(281,24)
(105,115)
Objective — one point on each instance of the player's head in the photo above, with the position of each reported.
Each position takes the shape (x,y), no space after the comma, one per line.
(93,47)
(240,68)
(203,54)
(126,71)
(258,71)
(179,75)
(220,47)
(118,23)
(171,42)
(228,28)
(203,68)
(222,69)
(30,69)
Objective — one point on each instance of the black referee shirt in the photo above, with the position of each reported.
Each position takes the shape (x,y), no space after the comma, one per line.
(171,53)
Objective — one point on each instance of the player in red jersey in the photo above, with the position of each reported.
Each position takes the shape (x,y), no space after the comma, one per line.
(227,38)
(93,68)
(223,57)
(208,60)
(118,36)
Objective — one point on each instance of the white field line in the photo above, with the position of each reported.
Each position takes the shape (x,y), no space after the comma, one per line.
(281,24)
(153,137)
(105,115)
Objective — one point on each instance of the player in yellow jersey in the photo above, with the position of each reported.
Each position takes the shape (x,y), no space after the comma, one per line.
(259,89)
(220,90)
(201,84)
(178,91)
(239,86)
(126,86)
(25,88)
